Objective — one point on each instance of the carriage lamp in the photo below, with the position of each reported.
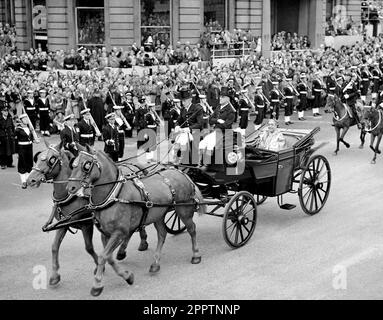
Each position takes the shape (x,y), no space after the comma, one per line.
(232,158)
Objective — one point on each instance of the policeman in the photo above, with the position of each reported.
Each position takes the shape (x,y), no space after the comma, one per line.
(43,108)
(110,135)
(86,129)
(30,107)
(70,134)
(302,89)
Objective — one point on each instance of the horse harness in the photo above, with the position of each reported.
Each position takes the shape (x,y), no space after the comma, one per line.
(377,124)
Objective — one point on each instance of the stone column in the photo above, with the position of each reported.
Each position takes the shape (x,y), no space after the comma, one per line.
(266,28)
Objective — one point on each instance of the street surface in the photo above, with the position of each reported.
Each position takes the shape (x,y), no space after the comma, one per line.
(336,254)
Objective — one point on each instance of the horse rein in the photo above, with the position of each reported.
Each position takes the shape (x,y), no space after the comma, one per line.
(52,163)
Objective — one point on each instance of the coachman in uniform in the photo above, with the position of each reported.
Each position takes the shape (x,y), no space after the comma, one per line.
(24,142)
(7,140)
(30,107)
(87,130)
(43,108)
(70,134)
(110,134)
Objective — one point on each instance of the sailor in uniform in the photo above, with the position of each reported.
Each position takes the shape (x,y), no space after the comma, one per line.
(302,89)
(43,108)
(87,130)
(110,135)
(70,134)
(30,107)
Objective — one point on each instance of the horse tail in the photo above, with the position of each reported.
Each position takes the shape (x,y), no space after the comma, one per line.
(201,208)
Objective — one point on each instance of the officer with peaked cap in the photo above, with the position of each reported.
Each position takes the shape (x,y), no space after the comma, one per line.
(70,134)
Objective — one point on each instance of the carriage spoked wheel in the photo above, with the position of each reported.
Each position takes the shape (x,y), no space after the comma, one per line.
(239,219)
(260,199)
(314,184)
(173,223)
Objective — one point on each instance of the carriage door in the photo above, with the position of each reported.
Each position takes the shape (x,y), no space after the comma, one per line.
(285,171)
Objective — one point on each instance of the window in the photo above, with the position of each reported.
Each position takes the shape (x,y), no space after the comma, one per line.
(155,23)
(215,14)
(90,22)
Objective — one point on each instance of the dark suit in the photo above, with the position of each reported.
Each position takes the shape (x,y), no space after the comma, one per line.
(68,136)
(191,118)
(87,133)
(110,135)
(7,143)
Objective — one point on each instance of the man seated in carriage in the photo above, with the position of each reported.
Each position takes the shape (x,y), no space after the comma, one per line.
(222,118)
(190,118)
(271,138)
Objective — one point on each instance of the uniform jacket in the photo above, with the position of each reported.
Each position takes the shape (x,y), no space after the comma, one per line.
(43,107)
(68,136)
(352,92)
(110,135)
(191,118)
(85,130)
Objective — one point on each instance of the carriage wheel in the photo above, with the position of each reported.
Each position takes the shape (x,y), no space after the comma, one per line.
(260,199)
(239,219)
(173,223)
(314,185)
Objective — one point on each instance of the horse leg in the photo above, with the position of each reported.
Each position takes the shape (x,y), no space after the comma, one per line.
(337,131)
(362,138)
(121,254)
(345,130)
(161,234)
(187,219)
(87,232)
(109,246)
(372,142)
(55,277)
(377,144)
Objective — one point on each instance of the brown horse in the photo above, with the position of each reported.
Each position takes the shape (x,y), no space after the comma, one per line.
(342,122)
(53,163)
(372,118)
(124,205)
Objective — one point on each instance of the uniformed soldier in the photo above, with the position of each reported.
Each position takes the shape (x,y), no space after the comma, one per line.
(260,106)
(139,118)
(232,92)
(289,96)
(43,108)
(365,84)
(30,107)
(244,107)
(317,93)
(110,135)
(376,78)
(87,130)
(129,111)
(302,89)
(167,105)
(121,126)
(24,142)
(7,138)
(275,100)
(70,134)
(349,95)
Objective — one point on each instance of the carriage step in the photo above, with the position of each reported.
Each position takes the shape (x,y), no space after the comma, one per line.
(287,206)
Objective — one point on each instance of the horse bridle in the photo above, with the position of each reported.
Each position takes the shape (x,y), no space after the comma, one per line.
(52,162)
(86,168)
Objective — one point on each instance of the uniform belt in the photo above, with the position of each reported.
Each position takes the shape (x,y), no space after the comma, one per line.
(376,77)
(260,106)
(289,97)
(244,109)
(317,90)
(206,117)
(83,135)
(44,109)
(120,131)
(30,109)
(332,88)
(274,100)
(25,143)
(303,92)
(330,95)
(152,126)
(365,79)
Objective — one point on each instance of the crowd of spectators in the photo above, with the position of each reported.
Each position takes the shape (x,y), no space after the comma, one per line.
(91,28)
(289,41)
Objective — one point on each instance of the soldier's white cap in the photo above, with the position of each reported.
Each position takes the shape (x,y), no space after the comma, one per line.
(42,90)
(243,91)
(30,91)
(118,107)
(151,104)
(24,115)
(110,115)
(86,110)
(202,96)
(69,117)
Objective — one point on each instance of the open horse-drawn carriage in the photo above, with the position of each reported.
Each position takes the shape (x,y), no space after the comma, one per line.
(265,174)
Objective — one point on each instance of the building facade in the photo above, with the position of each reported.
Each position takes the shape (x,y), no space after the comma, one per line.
(66,24)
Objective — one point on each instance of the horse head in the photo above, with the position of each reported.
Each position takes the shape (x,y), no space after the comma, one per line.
(86,169)
(48,165)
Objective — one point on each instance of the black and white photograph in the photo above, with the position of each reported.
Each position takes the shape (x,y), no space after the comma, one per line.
(200,152)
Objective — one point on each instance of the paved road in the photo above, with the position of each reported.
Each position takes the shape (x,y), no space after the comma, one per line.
(290,255)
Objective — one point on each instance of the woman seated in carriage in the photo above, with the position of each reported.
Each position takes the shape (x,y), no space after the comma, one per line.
(271,138)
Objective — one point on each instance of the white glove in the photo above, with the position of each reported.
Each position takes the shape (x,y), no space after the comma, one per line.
(177,129)
(186,130)
(220,121)
(346,96)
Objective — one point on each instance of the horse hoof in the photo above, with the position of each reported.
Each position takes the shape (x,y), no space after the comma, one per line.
(346,144)
(95,292)
(360,147)
(378,151)
(373,162)
(196,260)
(130,279)
(143,246)
(121,256)
(335,153)
(154,268)
(53,281)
